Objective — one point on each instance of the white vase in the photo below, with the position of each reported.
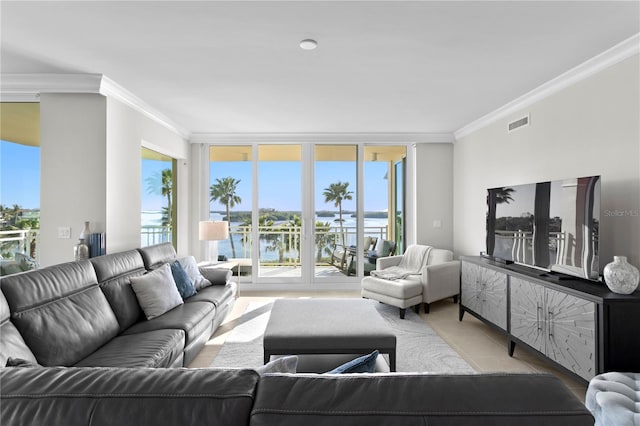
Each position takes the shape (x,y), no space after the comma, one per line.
(84,235)
(620,276)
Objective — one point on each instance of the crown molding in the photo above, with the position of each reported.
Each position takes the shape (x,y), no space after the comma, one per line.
(34,84)
(112,89)
(373,138)
(612,56)
(28,87)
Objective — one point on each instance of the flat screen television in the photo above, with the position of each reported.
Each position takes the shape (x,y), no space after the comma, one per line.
(552,226)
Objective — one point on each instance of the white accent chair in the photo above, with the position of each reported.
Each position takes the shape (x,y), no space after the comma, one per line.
(614,399)
(439,278)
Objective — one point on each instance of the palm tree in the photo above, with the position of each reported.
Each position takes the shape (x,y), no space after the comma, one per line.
(161,183)
(17,210)
(323,239)
(338,192)
(224,192)
(495,196)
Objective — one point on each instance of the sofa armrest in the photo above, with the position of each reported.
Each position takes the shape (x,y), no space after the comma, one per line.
(440,281)
(386,262)
(217,276)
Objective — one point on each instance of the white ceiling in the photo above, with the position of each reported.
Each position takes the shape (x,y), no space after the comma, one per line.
(396,66)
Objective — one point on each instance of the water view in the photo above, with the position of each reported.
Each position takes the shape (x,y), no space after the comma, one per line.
(375,227)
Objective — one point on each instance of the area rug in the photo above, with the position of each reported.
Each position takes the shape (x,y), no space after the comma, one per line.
(419,348)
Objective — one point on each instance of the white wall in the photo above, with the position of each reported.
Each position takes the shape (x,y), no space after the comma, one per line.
(73,170)
(590,128)
(127,131)
(434,194)
(91,171)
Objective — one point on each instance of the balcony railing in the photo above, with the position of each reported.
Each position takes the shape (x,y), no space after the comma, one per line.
(19,241)
(281,244)
(520,246)
(278,244)
(151,234)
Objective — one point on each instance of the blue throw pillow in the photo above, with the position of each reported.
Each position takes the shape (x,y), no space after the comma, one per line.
(185,287)
(363,364)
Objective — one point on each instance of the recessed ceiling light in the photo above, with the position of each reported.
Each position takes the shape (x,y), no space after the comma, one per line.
(308,44)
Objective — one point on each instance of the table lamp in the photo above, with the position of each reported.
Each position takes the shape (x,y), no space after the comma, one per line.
(210,230)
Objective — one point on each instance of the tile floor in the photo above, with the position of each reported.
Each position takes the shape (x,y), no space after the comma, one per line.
(479,344)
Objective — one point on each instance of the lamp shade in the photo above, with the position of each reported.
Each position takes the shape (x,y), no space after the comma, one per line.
(209,230)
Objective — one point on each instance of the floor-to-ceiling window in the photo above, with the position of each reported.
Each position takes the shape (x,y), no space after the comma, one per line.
(19,185)
(336,218)
(308,212)
(231,199)
(280,210)
(158,201)
(384,201)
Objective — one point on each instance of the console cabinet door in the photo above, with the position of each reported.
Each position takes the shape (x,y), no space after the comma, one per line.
(571,332)
(484,291)
(527,313)
(471,289)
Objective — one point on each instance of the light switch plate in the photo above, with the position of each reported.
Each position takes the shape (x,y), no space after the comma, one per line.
(437,223)
(64,232)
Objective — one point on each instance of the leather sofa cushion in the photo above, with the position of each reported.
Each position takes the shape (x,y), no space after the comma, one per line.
(12,344)
(217,294)
(412,400)
(120,396)
(192,318)
(60,312)
(156,255)
(158,348)
(114,272)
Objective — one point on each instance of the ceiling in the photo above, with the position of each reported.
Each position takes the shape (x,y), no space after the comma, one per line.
(396,66)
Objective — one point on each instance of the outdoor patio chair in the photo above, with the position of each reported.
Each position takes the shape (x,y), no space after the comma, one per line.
(341,254)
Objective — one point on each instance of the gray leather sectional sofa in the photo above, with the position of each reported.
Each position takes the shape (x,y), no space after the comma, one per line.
(80,321)
(86,314)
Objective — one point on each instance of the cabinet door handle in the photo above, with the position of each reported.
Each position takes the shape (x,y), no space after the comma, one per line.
(538,310)
(550,323)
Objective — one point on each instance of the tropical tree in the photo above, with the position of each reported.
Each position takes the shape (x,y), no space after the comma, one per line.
(224,192)
(285,238)
(323,240)
(161,183)
(16,212)
(337,193)
(495,196)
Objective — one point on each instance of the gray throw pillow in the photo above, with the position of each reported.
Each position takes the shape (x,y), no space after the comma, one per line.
(156,291)
(191,268)
(285,364)
(217,276)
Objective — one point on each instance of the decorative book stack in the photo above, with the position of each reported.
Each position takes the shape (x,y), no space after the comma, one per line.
(96,244)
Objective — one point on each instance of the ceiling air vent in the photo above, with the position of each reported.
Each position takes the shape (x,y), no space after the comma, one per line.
(521,122)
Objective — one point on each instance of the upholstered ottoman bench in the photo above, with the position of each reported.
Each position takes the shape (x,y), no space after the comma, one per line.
(614,399)
(402,294)
(327,326)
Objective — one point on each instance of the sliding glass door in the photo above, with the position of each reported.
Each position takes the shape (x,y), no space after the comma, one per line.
(231,199)
(335,220)
(308,213)
(280,211)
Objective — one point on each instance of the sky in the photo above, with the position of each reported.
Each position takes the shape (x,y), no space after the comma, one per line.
(19,175)
(152,169)
(280,182)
